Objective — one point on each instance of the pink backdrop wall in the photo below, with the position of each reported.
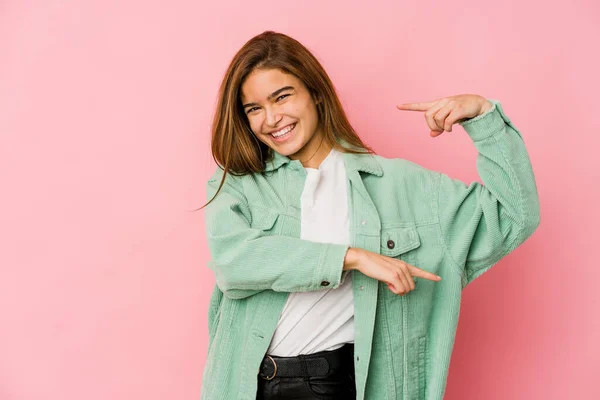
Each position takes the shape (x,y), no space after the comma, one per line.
(105,110)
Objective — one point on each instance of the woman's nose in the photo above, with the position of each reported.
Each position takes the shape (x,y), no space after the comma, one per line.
(273,118)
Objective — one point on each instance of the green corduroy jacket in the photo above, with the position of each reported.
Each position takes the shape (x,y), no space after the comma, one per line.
(403,344)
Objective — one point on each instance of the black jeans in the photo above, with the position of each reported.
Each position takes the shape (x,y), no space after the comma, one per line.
(336,382)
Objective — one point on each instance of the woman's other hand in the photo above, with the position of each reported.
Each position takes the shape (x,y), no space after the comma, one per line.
(397,274)
(443,113)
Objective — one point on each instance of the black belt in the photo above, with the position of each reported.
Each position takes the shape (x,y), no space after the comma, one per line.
(304,366)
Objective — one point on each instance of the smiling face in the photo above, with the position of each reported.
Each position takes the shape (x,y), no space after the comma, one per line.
(282,113)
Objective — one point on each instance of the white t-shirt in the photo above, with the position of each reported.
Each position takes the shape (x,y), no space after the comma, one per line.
(323,319)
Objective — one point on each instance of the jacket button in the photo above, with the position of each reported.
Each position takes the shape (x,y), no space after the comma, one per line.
(324,283)
(391,244)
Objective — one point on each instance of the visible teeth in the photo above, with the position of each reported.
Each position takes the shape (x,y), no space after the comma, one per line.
(283,131)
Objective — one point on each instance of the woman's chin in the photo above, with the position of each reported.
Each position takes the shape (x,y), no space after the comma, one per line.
(287,148)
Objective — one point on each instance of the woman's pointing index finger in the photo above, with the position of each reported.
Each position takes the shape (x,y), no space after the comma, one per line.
(416,106)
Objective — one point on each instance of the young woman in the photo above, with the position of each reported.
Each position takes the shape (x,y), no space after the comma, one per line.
(339,272)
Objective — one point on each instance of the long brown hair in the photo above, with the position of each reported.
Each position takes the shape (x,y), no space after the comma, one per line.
(235,148)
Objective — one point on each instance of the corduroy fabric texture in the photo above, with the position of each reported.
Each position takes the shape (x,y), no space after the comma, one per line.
(403,344)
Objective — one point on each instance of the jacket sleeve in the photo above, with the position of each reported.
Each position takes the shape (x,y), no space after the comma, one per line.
(481,223)
(246,260)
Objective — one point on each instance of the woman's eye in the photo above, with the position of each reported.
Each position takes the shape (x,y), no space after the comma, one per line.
(251,109)
(283,96)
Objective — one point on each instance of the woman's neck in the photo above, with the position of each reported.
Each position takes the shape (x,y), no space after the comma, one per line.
(315,159)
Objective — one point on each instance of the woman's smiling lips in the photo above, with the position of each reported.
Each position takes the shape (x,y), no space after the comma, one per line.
(283,134)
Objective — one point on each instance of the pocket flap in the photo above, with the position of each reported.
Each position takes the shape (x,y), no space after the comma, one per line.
(395,241)
(264,219)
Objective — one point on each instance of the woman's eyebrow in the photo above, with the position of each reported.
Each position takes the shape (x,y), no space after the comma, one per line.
(269,97)
(275,93)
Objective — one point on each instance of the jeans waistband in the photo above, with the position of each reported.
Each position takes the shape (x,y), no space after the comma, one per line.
(308,365)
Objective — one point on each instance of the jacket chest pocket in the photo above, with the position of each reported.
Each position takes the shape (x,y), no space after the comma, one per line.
(398,243)
(264,220)
(275,222)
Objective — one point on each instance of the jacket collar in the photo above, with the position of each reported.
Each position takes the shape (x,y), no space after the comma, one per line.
(354,162)
(363,163)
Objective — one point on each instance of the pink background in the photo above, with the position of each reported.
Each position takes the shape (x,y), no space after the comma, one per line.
(105,111)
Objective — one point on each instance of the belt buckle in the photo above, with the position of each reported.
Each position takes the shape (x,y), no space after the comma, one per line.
(268,378)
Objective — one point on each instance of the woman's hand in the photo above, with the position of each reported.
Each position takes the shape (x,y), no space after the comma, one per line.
(443,113)
(397,274)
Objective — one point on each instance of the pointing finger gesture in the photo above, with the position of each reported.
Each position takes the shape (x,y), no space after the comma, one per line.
(443,113)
